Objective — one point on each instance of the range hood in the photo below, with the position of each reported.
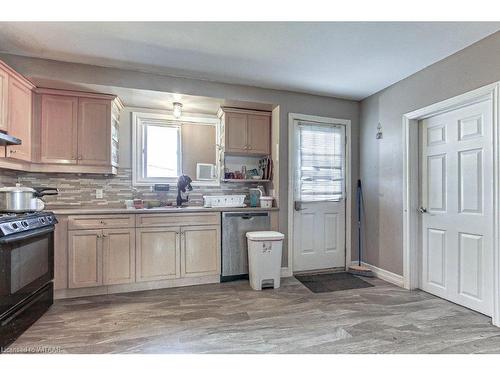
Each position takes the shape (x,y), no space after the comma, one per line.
(8,140)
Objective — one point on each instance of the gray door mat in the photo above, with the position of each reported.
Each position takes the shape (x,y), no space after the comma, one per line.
(332,282)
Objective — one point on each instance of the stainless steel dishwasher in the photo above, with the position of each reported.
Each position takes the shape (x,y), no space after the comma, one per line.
(235,225)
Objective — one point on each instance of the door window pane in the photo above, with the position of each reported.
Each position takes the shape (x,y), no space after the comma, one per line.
(320,162)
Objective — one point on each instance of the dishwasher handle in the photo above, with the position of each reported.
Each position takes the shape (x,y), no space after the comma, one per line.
(245,215)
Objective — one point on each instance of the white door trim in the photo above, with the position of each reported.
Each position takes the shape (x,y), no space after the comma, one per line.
(291,173)
(411,235)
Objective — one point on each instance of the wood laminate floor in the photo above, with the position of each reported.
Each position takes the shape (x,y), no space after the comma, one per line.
(232,318)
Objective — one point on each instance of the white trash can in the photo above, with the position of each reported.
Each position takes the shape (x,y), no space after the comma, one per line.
(264,259)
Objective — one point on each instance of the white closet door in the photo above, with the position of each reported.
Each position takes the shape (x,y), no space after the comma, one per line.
(457,206)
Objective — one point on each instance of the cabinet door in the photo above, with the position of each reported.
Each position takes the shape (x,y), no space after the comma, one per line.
(4,91)
(200,251)
(59,129)
(259,134)
(118,256)
(19,119)
(94,131)
(85,258)
(236,132)
(157,253)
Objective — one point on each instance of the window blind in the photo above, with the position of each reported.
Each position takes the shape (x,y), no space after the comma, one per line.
(320,162)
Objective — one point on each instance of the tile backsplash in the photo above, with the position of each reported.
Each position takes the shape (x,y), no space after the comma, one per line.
(77,190)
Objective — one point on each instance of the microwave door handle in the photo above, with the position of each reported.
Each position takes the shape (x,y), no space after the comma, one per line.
(26,235)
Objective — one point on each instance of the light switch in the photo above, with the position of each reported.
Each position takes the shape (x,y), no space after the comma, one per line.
(98,193)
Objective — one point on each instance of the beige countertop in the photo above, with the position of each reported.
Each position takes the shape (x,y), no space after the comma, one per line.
(173,210)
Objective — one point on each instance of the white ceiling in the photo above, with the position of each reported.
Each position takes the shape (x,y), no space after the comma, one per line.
(351,60)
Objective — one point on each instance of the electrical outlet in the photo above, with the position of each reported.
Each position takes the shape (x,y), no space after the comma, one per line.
(99,193)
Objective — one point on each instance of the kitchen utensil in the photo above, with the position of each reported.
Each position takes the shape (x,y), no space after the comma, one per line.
(24,199)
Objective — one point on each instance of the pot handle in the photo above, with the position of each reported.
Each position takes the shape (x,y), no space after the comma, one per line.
(41,191)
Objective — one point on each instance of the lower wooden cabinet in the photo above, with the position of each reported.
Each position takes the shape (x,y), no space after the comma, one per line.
(157,253)
(104,255)
(118,259)
(101,257)
(84,258)
(200,251)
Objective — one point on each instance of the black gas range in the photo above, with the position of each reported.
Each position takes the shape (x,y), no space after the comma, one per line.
(26,271)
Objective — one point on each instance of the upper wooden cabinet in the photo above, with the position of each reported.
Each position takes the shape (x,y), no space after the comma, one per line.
(79,130)
(246,132)
(19,119)
(4,92)
(59,116)
(16,112)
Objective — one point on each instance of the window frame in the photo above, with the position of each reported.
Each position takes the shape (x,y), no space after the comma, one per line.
(140,119)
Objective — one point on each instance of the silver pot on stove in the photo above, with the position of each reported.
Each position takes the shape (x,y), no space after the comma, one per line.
(24,199)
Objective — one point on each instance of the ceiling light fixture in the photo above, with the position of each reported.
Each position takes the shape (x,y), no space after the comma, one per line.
(177,109)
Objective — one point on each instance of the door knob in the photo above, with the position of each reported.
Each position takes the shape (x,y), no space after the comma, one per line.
(422,210)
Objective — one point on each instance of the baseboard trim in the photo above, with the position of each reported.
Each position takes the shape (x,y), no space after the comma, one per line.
(385,275)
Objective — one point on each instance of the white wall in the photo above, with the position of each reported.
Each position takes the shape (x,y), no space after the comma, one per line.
(381,161)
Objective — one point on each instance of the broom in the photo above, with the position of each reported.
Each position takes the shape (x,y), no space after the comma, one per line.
(359,269)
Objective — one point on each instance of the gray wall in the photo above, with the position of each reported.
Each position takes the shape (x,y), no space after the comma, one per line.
(288,101)
(381,161)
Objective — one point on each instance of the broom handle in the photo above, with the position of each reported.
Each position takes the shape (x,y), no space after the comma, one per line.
(358,201)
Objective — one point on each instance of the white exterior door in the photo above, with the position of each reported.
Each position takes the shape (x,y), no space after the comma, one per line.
(457,206)
(319,186)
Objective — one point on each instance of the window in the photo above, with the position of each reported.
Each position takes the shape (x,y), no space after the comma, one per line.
(165,148)
(161,151)
(320,164)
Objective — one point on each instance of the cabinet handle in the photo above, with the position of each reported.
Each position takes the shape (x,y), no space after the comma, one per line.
(12,151)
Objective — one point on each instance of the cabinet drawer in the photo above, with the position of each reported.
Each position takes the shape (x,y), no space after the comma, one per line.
(177,219)
(101,221)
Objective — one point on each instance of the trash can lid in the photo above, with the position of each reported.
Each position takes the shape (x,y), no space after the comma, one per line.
(265,236)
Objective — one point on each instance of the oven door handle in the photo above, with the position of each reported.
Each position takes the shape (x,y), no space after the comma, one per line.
(26,235)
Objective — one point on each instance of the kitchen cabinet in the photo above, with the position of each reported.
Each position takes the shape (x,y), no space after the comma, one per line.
(19,119)
(246,132)
(236,133)
(78,131)
(157,253)
(200,251)
(4,92)
(118,260)
(101,257)
(59,115)
(85,258)
(259,134)
(94,131)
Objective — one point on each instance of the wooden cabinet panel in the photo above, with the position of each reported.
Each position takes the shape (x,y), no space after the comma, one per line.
(94,133)
(101,221)
(4,94)
(59,117)
(259,134)
(19,119)
(85,258)
(177,219)
(200,254)
(61,253)
(118,256)
(157,253)
(236,132)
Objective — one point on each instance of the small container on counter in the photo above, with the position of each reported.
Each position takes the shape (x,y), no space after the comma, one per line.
(266,201)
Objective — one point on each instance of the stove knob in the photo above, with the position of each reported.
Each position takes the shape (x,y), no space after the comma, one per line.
(42,220)
(49,218)
(14,226)
(24,224)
